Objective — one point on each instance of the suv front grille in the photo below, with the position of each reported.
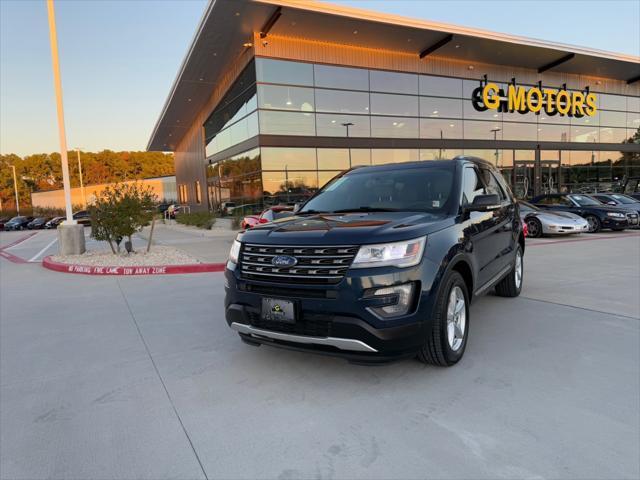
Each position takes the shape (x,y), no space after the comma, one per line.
(316,264)
(310,325)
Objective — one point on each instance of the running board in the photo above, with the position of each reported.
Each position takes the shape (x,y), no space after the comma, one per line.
(495,279)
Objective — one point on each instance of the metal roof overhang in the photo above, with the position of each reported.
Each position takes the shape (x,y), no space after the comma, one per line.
(227,24)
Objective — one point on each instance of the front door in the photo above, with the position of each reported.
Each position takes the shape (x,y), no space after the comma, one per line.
(523,178)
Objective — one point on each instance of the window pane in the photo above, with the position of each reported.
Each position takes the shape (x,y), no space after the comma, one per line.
(380,156)
(482,130)
(384,104)
(584,134)
(360,156)
(282,71)
(613,119)
(440,86)
(440,128)
(520,117)
(393,82)
(281,187)
(341,102)
(324,177)
(586,120)
(633,104)
(612,135)
(285,98)
(440,107)
(612,102)
(633,120)
(281,158)
(558,119)
(333,159)
(471,113)
(333,125)
(468,86)
(285,123)
(341,77)
(438,153)
(553,133)
(519,131)
(394,127)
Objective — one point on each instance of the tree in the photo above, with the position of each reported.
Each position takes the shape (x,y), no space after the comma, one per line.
(120,211)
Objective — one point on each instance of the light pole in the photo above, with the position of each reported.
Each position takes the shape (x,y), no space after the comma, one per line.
(495,139)
(84,198)
(15,189)
(347,125)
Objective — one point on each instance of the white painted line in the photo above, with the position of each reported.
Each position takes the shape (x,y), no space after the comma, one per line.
(21,244)
(37,255)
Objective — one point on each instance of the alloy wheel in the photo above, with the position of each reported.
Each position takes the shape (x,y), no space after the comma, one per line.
(518,269)
(456,318)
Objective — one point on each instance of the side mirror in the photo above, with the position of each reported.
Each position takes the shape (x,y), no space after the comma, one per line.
(484,203)
(611,202)
(296,207)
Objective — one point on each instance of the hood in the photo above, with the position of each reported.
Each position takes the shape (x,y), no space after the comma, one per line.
(346,229)
(606,208)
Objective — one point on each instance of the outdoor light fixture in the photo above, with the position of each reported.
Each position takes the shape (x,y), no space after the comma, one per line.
(247,44)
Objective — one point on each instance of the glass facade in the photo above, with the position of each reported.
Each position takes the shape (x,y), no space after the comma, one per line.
(279,97)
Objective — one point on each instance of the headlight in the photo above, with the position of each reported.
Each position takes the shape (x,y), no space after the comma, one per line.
(615,214)
(234,253)
(398,254)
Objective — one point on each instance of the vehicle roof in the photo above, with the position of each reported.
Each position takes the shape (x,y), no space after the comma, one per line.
(423,164)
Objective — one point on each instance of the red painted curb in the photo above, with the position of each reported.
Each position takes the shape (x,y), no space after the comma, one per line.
(9,256)
(575,240)
(47,262)
(19,240)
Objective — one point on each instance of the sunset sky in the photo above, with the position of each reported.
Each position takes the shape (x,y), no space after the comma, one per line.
(119,58)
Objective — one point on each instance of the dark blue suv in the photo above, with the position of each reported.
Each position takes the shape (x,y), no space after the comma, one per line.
(381,263)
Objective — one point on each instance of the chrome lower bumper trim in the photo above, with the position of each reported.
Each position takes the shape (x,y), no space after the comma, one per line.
(341,343)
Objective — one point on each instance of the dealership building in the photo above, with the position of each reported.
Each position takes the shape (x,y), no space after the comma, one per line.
(275,97)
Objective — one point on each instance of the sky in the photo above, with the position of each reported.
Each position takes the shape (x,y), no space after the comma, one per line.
(119,58)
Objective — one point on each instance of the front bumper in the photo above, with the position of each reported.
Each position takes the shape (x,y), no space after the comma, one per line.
(334,319)
(615,222)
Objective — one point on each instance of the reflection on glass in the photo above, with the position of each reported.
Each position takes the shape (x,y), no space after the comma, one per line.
(393,82)
(557,119)
(286,123)
(282,71)
(586,120)
(519,131)
(633,104)
(334,125)
(471,113)
(360,156)
(520,117)
(440,86)
(438,153)
(341,77)
(285,98)
(281,158)
(333,158)
(342,102)
(386,104)
(633,120)
(394,127)
(289,186)
(612,135)
(325,177)
(612,102)
(236,133)
(440,107)
(440,128)
(236,178)
(483,130)
(613,119)
(584,134)
(553,133)
(488,155)
(380,156)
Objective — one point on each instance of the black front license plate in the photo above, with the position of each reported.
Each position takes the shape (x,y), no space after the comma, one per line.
(275,309)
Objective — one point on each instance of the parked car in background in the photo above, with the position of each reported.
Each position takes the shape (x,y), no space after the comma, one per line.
(620,200)
(3,220)
(541,222)
(269,215)
(631,186)
(18,223)
(226,208)
(38,223)
(598,216)
(54,222)
(83,218)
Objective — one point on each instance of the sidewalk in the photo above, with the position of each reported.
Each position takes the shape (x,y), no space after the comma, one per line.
(210,246)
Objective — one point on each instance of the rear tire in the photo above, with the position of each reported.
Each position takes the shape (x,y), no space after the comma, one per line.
(594,223)
(535,227)
(511,285)
(446,342)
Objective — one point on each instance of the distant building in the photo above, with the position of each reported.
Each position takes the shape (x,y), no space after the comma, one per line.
(163,187)
(275,97)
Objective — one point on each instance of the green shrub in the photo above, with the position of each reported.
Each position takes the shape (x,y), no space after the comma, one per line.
(204,220)
(236,221)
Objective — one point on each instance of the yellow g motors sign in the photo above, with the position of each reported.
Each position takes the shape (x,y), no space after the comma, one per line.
(489,96)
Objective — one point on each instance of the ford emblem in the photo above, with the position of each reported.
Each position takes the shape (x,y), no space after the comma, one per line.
(284,261)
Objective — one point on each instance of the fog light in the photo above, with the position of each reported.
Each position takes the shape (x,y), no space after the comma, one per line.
(397,300)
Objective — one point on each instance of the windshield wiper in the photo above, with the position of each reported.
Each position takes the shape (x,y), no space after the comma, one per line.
(367,209)
(312,212)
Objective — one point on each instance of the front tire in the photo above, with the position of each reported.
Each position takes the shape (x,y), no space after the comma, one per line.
(511,285)
(535,227)
(447,340)
(594,223)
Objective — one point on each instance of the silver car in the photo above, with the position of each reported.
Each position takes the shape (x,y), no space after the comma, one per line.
(543,222)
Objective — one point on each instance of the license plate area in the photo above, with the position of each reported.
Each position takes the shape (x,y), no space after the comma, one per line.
(278,310)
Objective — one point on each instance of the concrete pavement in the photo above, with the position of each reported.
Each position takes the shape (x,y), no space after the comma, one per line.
(104,377)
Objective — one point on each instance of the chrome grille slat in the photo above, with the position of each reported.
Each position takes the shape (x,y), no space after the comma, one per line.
(316,264)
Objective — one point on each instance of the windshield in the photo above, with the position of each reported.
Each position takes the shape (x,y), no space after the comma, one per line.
(585,201)
(527,207)
(420,189)
(624,199)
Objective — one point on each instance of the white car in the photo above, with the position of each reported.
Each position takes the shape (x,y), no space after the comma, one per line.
(544,222)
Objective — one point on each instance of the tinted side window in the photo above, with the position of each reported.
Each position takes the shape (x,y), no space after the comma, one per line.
(493,187)
(471,185)
(564,201)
